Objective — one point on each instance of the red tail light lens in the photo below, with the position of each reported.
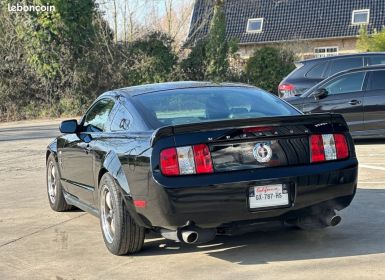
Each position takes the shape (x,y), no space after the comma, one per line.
(202,159)
(317,148)
(186,160)
(286,87)
(325,147)
(342,148)
(169,162)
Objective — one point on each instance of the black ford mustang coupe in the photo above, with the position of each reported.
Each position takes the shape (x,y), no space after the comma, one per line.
(191,160)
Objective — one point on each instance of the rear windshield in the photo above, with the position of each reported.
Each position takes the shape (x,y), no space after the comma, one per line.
(210,104)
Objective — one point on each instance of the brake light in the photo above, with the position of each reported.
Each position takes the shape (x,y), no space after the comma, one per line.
(341,146)
(169,162)
(286,87)
(202,158)
(186,160)
(257,129)
(317,148)
(325,147)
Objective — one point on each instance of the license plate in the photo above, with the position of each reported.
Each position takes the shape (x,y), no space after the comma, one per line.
(268,196)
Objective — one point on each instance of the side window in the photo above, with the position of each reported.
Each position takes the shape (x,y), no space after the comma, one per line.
(376,59)
(346,83)
(377,80)
(97,117)
(317,72)
(342,64)
(122,120)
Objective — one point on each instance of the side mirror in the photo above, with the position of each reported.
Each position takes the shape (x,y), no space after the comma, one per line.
(68,127)
(320,93)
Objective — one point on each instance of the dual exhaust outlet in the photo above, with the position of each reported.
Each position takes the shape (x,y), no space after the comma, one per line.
(196,235)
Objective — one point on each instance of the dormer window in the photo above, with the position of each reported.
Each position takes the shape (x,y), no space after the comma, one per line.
(360,16)
(254,25)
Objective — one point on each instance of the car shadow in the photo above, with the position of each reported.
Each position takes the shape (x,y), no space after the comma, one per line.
(360,233)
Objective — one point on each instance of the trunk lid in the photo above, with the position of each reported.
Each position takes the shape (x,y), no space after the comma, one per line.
(254,143)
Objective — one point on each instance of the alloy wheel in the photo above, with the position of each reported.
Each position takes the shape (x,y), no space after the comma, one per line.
(107,214)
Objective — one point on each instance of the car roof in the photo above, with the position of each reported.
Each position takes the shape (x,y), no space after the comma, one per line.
(340,56)
(159,87)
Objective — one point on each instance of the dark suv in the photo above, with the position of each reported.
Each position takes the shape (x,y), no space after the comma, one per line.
(310,72)
(357,94)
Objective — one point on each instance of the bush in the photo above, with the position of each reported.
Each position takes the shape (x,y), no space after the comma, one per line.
(268,66)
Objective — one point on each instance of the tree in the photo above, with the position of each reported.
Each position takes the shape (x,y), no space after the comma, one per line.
(371,43)
(217,47)
(193,67)
(151,59)
(268,66)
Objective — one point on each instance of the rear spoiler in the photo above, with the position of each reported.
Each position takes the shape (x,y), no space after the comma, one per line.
(336,120)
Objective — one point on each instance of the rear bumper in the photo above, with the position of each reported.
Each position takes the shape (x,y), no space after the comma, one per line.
(213,200)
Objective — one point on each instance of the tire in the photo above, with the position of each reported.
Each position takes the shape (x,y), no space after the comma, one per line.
(121,234)
(54,188)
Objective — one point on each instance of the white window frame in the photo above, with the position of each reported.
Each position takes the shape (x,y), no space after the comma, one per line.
(360,11)
(326,54)
(251,20)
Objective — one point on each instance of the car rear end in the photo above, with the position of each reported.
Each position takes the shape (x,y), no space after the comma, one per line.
(225,173)
(297,82)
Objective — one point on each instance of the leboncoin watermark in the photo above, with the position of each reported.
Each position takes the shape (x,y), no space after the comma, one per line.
(30,8)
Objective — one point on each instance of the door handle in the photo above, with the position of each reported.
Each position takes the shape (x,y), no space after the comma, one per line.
(354,102)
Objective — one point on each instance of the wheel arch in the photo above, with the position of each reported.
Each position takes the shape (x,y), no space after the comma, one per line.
(51,149)
(113,166)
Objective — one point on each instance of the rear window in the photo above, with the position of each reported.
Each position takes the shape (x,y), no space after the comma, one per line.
(317,72)
(210,104)
(342,64)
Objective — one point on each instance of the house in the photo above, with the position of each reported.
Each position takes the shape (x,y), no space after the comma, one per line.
(310,28)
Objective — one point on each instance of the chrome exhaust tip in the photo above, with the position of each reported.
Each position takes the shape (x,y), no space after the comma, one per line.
(332,220)
(190,236)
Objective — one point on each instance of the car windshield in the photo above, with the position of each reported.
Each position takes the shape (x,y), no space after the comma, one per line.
(209,104)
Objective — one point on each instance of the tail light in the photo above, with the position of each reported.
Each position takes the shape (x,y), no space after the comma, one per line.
(169,162)
(341,146)
(286,87)
(317,148)
(202,159)
(286,90)
(325,147)
(186,160)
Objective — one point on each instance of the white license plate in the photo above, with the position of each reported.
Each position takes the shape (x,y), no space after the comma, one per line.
(268,196)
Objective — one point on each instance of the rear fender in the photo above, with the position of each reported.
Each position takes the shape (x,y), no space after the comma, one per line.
(113,165)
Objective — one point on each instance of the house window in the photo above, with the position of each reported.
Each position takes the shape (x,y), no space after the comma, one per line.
(360,16)
(325,51)
(254,25)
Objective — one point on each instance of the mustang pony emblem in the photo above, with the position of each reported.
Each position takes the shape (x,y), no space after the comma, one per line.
(262,152)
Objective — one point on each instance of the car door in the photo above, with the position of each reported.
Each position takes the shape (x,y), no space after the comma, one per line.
(77,154)
(345,96)
(374,102)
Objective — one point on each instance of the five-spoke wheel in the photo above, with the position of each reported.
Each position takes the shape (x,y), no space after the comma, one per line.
(120,232)
(54,188)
